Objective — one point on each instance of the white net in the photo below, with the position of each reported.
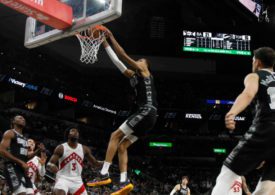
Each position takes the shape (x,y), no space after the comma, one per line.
(90,41)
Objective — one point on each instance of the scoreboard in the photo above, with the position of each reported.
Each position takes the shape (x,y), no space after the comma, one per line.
(221,43)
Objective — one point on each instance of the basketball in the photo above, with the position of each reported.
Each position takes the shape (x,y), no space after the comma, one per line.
(97,31)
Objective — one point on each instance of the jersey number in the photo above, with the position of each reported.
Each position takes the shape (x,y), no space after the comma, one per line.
(271,93)
(236,189)
(74,166)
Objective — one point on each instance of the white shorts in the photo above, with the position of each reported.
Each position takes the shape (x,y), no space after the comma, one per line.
(128,133)
(72,186)
(23,189)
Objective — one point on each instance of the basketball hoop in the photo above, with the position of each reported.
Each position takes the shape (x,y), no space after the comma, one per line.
(90,41)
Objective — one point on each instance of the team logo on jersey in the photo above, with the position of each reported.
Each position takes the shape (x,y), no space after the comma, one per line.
(267,80)
(32,166)
(236,187)
(22,141)
(72,156)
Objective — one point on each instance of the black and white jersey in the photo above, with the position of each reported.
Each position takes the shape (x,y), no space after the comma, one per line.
(145,91)
(19,146)
(265,97)
(183,191)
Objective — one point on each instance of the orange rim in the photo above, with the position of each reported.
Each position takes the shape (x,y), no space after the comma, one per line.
(92,28)
(100,27)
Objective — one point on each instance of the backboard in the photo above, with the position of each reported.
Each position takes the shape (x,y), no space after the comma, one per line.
(86,13)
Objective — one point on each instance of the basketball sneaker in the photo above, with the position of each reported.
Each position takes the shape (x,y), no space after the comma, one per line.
(101,180)
(124,188)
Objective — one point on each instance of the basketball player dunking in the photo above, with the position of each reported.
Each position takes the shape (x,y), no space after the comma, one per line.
(258,143)
(182,189)
(36,165)
(70,157)
(14,148)
(137,124)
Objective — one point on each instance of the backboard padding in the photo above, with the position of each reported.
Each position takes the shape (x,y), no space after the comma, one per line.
(86,13)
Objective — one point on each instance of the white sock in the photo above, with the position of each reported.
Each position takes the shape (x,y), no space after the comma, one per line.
(105,168)
(225,181)
(123,176)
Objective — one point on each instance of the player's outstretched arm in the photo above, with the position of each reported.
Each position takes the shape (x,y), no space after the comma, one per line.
(58,152)
(123,69)
(122,54)
(91,159)
(5,144)
(251,83)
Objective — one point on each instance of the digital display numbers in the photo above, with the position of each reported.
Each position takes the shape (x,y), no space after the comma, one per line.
(220,43)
